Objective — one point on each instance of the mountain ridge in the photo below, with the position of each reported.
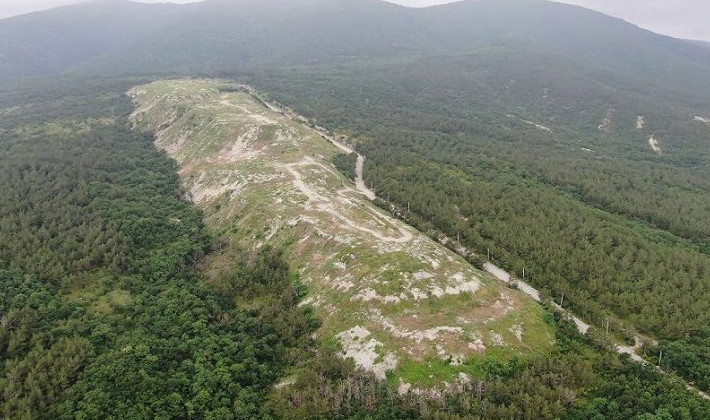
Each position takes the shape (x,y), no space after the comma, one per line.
(390,297)
(121,37)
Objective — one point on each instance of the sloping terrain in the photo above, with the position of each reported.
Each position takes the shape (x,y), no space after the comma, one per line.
(119,37)
(389,297)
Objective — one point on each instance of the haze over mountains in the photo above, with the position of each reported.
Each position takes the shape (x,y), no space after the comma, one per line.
(122,37)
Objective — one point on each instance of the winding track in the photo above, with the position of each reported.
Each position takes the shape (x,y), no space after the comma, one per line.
(583,327)
(359,167)
(324,204)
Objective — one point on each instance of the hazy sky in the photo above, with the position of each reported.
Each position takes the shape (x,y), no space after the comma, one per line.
(680,18)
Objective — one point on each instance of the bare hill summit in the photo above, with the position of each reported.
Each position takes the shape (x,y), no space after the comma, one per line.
(389,297)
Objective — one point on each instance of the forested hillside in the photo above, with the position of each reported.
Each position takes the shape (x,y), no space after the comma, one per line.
(564,144)
(119,37)
(140,334)
(103,312)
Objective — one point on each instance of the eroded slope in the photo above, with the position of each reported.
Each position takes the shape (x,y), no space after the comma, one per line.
(390,297)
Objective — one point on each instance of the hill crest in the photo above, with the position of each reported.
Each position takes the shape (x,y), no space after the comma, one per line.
(390,298)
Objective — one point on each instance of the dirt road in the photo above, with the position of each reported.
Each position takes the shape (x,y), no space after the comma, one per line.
(583,327)
(360,180)
(326,204)
(360,166)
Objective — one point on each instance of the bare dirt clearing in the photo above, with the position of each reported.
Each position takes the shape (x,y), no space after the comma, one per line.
(654,143)
(640,122)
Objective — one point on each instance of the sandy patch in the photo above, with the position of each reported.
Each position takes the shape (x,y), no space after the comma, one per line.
(517,331)
(653,142)
(364,351)
(528,122)
(607,124)
(640,122)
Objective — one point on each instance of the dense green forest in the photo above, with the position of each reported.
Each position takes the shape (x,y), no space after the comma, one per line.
(689,357)
(215,36)
(346,164)
(522,128)
(104,312)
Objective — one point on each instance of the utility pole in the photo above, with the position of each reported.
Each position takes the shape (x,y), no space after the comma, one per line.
(562,300)
(660,356)
(489,255)
(523,273)
(607,327)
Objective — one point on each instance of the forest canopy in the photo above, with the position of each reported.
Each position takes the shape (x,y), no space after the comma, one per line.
(105,313)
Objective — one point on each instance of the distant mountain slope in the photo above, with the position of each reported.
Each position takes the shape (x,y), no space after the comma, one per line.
(583,36)
(702,44)
(215,35)
(55,40)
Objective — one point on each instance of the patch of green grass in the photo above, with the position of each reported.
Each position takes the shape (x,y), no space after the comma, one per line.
(537,334)
(389,284)
(429,373)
